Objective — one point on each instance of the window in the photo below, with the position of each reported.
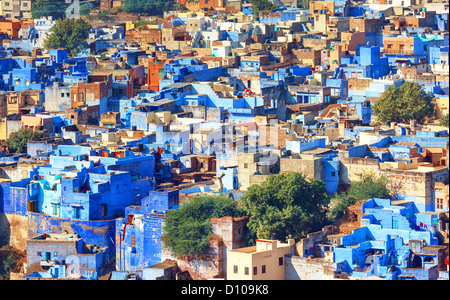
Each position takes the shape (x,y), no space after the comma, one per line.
(55,209)
(75,212)
(255,270)
(280,261)
(104,210)
(46,256)
(235,269)
(32,206)
(246,270)
(394,224)
(333,174)
(245,166)
(258,170)
(263,269)
(439,203)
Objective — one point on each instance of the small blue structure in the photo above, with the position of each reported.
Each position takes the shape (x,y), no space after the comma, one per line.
(388,245)
(65,256)
(138,235)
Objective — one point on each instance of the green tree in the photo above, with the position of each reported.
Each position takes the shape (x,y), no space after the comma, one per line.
(9,261)
(443,121)
(258,5)
(187,230)
(18,141)
(287,205)
(150,7)
(85,10)
(404,103)
(68,33)
(367,188)
(304,4)
(44,8)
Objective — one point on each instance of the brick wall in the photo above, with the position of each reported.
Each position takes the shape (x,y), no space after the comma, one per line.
(303,268)
(14,230)
(312,168)
(228,233)
(144,36)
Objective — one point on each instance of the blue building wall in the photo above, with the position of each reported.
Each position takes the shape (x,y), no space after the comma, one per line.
(331,174)
(384,240)
(14,197)
(28,78)
(58,55)
(100,233)
(368,63)
(152,238)
(305,144)
(160,200)
(139,242)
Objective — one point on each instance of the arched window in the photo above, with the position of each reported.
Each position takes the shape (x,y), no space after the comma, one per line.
(428,259)
(428,159)
(417,262)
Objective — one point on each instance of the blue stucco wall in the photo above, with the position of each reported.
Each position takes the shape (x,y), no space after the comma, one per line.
(14,197)
(99,233)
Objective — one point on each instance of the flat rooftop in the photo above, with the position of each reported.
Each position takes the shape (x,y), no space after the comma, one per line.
(51,237)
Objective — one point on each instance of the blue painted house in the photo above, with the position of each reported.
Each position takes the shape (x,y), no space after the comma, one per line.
(388,245)
(368,64)
(138,234)
(65,256)
(77,184)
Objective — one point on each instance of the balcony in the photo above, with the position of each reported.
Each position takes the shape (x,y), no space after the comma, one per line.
(47,263)
(399,51)
(247,111)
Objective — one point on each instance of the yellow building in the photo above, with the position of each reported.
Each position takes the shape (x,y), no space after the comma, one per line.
(265,261)
(16,9)
(441,107)
(3,135)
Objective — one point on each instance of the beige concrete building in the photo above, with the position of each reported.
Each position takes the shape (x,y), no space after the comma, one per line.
(310,165)
(265,261)
(253,168)
(441,107)
(16,9)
